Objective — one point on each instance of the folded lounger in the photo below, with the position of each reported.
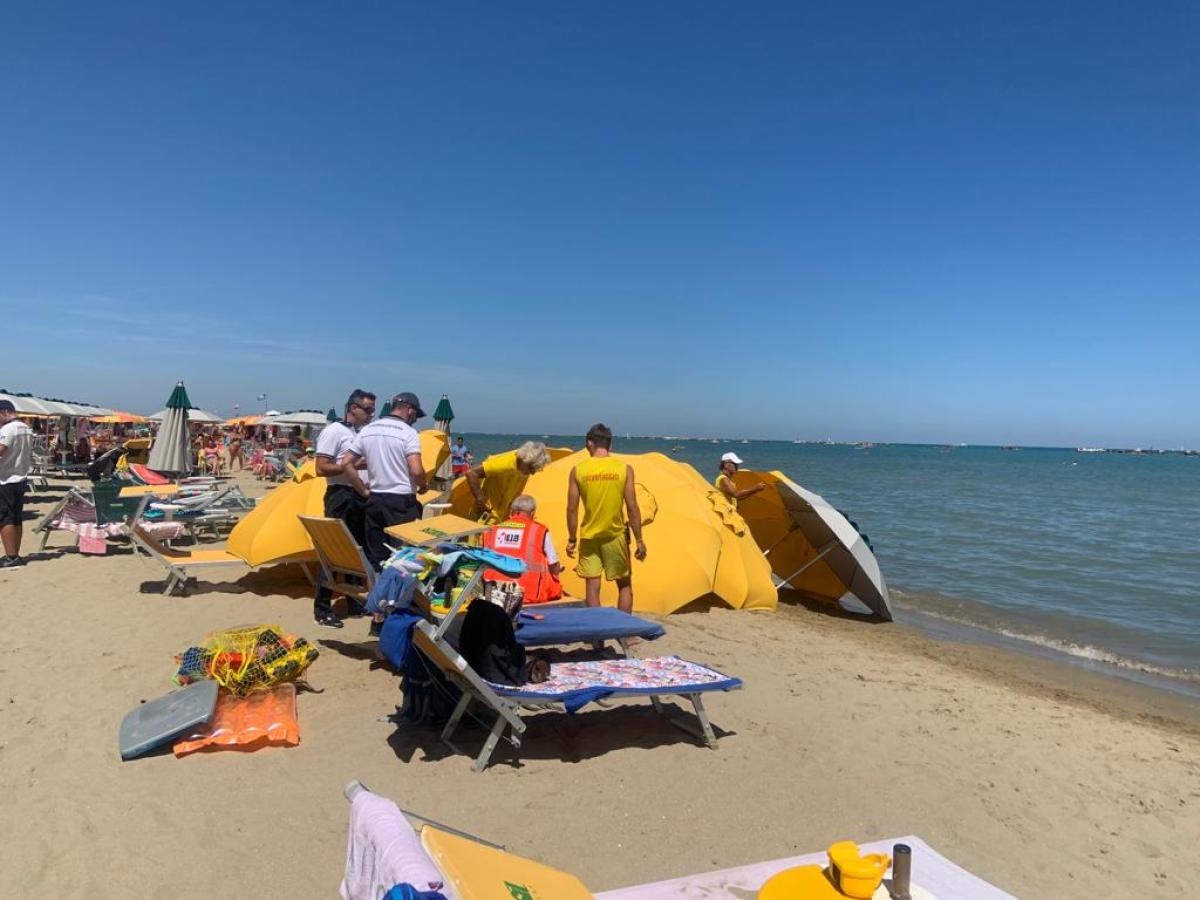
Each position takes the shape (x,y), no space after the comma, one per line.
(571,684)
(543,625)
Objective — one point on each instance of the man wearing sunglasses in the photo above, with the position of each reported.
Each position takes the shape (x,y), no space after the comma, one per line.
(345,492)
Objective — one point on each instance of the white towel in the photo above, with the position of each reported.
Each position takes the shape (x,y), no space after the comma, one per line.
(383,851)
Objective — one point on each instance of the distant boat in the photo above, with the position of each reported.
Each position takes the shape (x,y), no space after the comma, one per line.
(1090,450)
(1010,447)
(745,442)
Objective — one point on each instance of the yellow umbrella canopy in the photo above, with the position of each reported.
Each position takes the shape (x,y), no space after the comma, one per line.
(270,532)
(692,552)
(435,449)
(461,499)
(812,548)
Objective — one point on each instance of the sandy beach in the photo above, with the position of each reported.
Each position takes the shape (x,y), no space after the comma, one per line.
(1046,780)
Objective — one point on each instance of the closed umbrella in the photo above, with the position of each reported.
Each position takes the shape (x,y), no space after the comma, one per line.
(435,449)
(811,546)
(171,451)
(442,417)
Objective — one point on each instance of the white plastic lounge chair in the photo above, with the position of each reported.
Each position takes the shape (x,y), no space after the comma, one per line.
(581,683)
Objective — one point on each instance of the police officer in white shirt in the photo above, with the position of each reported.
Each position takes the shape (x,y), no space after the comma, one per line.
(345,493)
(392,450)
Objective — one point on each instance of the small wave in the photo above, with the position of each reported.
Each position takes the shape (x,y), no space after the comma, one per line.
(1069,648)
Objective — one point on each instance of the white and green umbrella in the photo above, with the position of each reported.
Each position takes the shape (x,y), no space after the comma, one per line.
(172,448)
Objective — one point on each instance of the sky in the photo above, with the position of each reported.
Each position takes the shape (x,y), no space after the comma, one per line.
(943,222)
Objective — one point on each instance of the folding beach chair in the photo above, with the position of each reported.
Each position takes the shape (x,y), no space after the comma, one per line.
(572,685)
(73,509)
(180,566)
(340,557)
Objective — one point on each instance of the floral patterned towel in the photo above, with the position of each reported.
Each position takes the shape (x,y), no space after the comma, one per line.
(607,676)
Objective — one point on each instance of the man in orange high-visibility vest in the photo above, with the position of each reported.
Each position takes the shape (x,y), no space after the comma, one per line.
(522,537)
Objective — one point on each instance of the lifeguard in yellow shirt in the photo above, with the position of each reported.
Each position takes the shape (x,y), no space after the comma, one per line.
(501,479)
(610,513)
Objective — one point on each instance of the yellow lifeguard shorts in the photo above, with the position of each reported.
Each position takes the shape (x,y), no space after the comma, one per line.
(604,555)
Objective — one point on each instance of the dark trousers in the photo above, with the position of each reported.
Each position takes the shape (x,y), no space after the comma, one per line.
(343,503)
(384,510)
(12,503)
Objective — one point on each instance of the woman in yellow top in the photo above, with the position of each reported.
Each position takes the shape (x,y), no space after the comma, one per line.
(724,480)
(501,479)
(606,487)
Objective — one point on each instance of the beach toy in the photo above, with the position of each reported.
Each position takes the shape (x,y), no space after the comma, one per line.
(263,719)
(251,658)
(856,875)
(155,723)
(799,883)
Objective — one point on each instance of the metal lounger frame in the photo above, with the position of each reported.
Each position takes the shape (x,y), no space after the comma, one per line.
(508,709)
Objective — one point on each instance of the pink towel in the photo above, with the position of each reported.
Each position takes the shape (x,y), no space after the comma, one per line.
(383,851)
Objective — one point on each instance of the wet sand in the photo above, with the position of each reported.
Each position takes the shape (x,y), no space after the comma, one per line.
(1044,779)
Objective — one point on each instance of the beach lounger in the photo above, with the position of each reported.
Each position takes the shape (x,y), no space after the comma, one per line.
(545,625)
(572,685)
(143,474)
(473,867)
(932,875)
(181,566)
(93,522)
(340,556)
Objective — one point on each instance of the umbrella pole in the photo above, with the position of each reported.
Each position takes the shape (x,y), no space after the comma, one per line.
(812,562)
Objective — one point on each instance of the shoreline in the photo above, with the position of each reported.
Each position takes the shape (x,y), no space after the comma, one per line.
(1129,672)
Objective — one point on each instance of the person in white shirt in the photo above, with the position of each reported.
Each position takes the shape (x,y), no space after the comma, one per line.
(345,494)
(392,450)
(16,462)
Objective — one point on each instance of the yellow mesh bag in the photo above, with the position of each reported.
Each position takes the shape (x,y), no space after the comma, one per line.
(250,658)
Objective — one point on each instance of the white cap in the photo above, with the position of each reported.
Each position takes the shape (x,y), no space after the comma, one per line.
(732,457)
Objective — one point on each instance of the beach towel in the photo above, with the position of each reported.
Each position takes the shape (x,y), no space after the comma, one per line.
(393,589)
(575,684)
(383,851)
(455,555)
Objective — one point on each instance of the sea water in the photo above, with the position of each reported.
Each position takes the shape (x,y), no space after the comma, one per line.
(1093,556)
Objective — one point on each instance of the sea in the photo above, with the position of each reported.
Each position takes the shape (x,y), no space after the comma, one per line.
(1092,558)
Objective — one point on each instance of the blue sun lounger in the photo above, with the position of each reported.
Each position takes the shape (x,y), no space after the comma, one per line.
(543,626)
(572,685)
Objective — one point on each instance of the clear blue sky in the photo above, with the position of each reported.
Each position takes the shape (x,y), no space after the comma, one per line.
(968,222)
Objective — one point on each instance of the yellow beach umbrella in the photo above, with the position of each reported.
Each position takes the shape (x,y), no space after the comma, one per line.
(116,417)
(692,552)
(462,501)
(812,548)
(270,532)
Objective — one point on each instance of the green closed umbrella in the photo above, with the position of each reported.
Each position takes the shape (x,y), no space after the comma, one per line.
(172,448)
